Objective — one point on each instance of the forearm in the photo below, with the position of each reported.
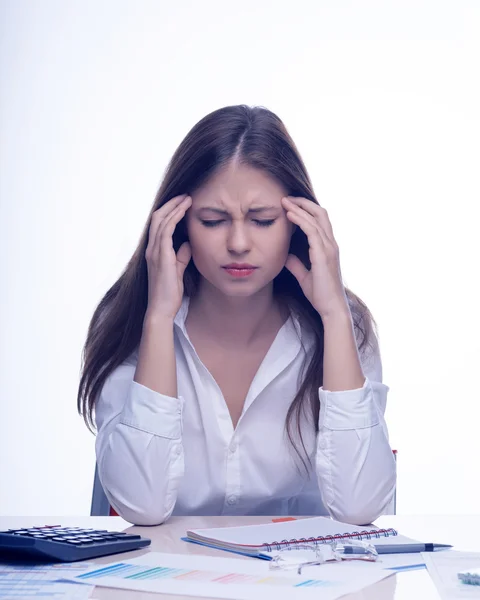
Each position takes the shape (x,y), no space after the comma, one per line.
(156,366)
(140,473)
(356,473)
(139,448)
(342,369)
(355,465)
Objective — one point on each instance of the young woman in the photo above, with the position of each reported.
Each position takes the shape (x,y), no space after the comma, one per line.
(228,370)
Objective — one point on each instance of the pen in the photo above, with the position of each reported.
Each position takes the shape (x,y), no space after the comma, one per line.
(398,548)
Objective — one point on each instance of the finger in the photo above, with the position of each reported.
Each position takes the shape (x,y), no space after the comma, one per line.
(169,206)
(315,239)
(184,255)
(296,268)
(162,213)
(167,226)
(290,206)
(182,206)
(159,242)
(315,210)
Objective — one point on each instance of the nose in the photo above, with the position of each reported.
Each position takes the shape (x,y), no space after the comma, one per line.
(238,241)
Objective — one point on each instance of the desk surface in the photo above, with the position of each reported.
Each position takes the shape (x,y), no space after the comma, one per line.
(461,531)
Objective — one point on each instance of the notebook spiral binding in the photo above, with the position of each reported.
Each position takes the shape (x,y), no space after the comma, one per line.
(360,535)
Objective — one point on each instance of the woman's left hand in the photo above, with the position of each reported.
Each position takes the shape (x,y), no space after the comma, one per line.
(322,285)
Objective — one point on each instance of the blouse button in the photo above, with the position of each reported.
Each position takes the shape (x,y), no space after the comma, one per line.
(232,499)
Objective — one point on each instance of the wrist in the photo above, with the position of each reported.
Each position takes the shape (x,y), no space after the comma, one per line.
(337,316)
(155,319)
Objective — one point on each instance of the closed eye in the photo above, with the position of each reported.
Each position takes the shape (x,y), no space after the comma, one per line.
(212,223)
(264,223)
(258,222)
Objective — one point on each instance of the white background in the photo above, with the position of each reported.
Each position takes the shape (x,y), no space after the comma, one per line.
(382,99)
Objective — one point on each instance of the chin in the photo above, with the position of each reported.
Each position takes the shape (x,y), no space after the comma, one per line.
(240,293)
(238,290)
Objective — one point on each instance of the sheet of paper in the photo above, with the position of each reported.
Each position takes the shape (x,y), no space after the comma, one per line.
(402,562)
(204,576)
(443,568)
(25,581)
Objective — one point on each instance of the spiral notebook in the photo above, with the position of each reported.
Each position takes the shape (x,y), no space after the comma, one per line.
(254,540)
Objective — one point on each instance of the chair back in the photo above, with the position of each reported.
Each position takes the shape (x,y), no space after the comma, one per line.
(392,507)
(100,505)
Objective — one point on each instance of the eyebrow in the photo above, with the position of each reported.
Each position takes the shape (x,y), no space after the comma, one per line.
(251,210)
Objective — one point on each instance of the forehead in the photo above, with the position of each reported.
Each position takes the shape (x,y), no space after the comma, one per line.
(239,186)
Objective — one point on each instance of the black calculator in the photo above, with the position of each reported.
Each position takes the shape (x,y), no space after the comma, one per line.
(65,544)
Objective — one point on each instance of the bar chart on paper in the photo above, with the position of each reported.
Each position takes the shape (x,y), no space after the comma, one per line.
(218,577)
(41,581)
(131,572)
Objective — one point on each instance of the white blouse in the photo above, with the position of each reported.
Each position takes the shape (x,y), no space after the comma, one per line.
(159,455)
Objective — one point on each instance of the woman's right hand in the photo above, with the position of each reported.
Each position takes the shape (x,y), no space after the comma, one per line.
(165,268)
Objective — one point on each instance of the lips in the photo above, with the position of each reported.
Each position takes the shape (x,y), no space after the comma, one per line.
(239,270)
(239,266)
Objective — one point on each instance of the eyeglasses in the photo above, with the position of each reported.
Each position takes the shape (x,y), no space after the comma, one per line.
(314,554)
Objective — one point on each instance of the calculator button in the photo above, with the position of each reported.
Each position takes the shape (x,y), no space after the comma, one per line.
(76,542)
(129,537)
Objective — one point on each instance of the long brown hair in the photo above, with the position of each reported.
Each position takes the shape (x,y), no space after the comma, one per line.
(256,137)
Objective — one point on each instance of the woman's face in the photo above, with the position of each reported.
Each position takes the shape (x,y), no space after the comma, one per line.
(238,230)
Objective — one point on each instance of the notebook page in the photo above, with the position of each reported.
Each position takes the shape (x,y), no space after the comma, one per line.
(256,535)
(398,539)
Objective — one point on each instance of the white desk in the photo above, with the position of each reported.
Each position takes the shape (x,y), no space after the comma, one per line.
(461,531)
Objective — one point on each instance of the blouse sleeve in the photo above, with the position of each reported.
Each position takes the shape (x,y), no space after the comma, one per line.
(139,448)
(355,466)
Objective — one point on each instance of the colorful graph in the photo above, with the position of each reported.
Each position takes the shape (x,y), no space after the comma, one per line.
(133,572)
